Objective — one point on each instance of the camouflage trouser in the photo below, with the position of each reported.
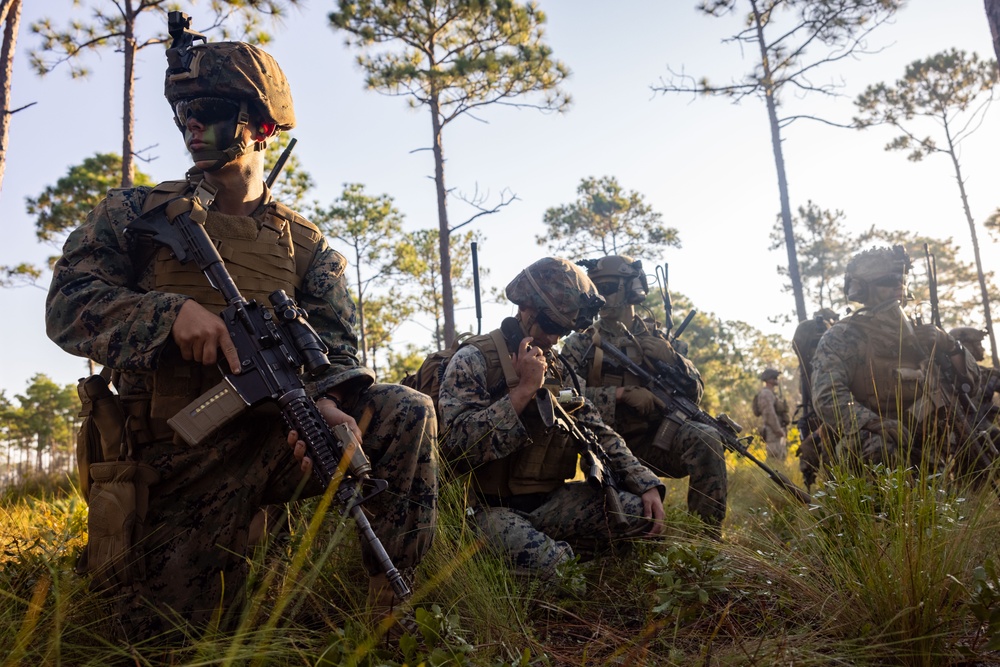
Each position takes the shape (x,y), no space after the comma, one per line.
(200,511)
(694,452)
(541,540)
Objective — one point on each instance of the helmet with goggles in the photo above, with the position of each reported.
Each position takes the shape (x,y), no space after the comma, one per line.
(225,83)
(563,295)
(619,279)
(875,267)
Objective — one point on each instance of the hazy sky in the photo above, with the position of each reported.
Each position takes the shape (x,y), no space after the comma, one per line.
(704,163)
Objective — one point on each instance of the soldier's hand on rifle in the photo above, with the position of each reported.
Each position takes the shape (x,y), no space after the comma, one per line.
(657,349)
(889,429)
(333,416)
(652,508)
(299,452)
(200,335)
(530,364)
(639,399)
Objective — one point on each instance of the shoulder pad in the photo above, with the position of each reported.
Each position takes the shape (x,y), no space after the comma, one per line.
(305,235)
(164,192)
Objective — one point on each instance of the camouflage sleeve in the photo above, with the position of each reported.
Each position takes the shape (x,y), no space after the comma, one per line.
(94,308)
(475,428)
(634,476)
(325,298)
(837,356)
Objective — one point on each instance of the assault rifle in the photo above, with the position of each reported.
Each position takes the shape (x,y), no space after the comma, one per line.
(669,386)
(273,349)
(594,461)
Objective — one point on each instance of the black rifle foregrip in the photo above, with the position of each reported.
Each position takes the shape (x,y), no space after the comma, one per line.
(302,416)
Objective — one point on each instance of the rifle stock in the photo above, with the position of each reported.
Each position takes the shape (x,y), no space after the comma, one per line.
(668,389)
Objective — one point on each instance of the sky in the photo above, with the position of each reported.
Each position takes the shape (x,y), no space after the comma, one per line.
(705,164)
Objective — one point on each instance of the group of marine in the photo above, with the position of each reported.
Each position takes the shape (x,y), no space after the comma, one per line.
(172,520)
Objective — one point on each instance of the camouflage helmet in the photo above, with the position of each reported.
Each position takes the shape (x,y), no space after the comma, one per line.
(770,374)
(870,265)
(971,339)
(967,334)
(231,70)
(558,288)
(619,279)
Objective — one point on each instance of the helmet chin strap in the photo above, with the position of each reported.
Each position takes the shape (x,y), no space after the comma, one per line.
(237,148)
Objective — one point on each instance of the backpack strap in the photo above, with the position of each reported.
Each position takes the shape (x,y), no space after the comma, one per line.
(506,363)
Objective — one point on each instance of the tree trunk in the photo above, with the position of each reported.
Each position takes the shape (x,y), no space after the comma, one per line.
(975,249)
(10,15)
(128,106)
(779,164)
(993,17)
(444,233)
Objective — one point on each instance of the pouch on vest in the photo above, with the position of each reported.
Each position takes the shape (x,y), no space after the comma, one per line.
(115,486)
(102,426)
(119,501)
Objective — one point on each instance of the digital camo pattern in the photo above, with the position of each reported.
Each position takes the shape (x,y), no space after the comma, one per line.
(235,71)
(572,516)
(694,451)
(201,509)
(556,286)
(871,348)
(841,354)
(478,428)
(103,307)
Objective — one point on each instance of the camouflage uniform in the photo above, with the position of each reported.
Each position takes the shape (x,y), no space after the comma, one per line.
(872,369)
(689,450)
(879,381)
(812,450)
(516,465)
(103,304)
(536,531)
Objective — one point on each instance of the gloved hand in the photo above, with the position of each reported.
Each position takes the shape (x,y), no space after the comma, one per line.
(641,400)
(890,430)
(657,349)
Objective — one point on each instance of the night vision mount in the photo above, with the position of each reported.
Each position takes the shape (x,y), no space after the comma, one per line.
(179,54)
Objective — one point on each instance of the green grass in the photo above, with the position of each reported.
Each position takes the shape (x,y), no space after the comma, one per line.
(886,570)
